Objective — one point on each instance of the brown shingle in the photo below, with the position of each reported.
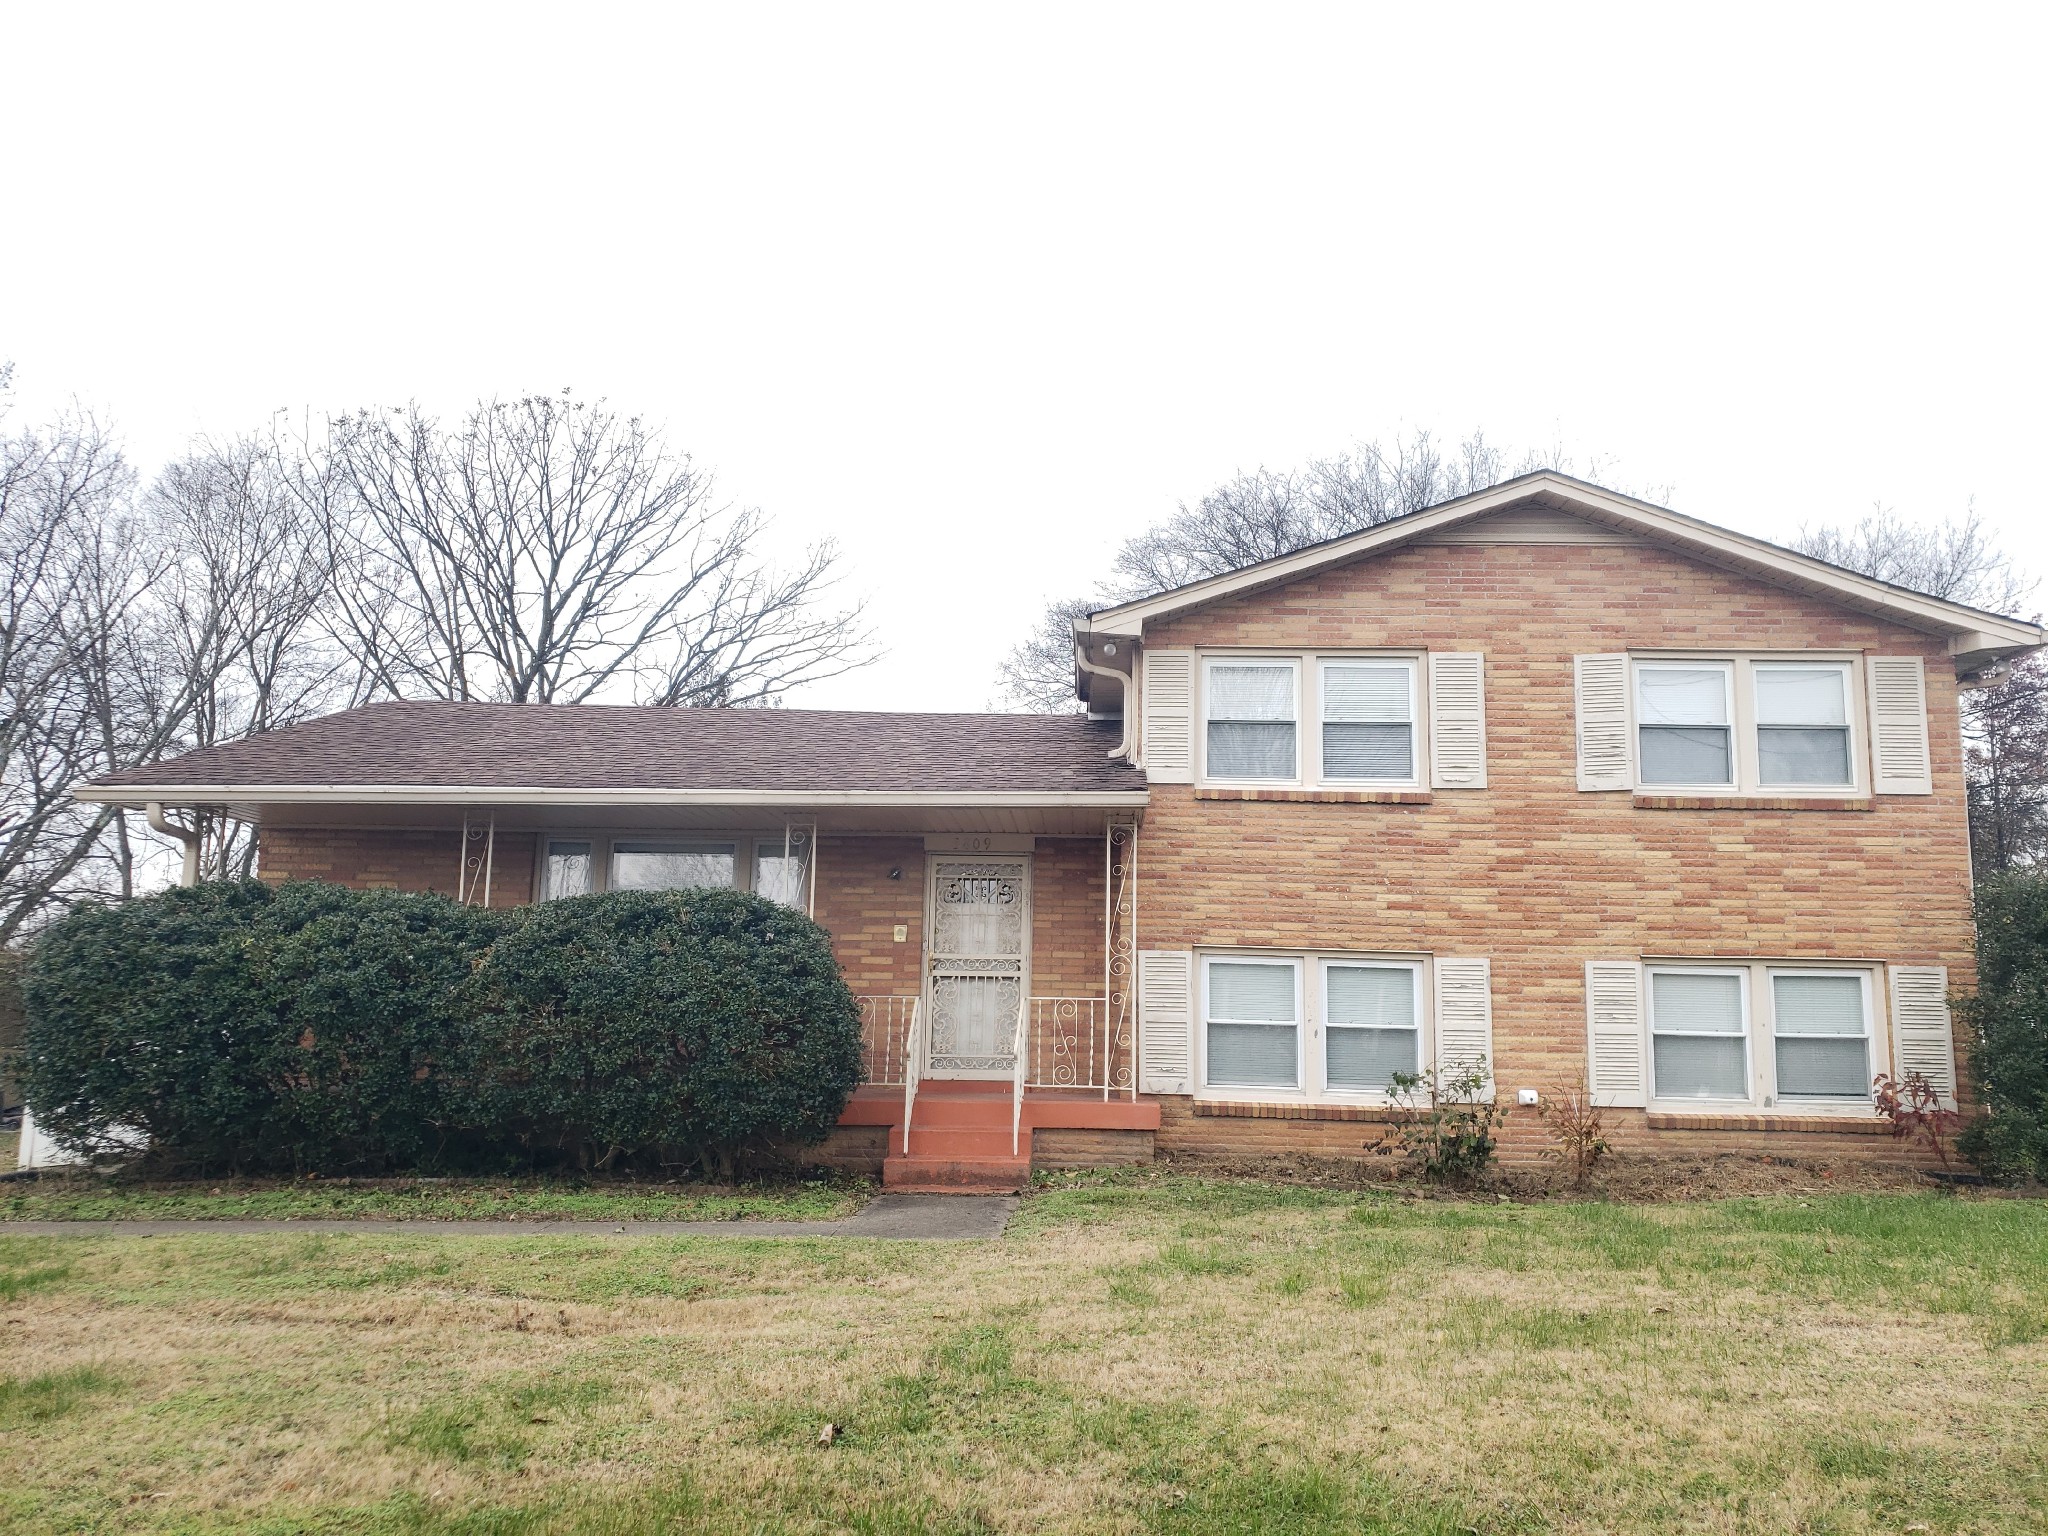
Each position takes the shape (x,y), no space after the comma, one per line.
(595,746)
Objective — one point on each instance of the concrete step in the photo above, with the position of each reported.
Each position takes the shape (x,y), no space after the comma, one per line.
(956,1175)
(961,1141)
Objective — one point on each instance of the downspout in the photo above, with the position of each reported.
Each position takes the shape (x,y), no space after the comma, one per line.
(1128,681)
(185,835)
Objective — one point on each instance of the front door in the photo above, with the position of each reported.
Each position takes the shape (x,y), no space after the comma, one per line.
(979,963)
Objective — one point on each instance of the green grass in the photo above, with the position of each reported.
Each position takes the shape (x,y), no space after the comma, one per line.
(1135,1356)
(85,1198)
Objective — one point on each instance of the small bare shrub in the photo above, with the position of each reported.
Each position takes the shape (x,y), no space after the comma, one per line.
(1573,1120)
(1913,1106)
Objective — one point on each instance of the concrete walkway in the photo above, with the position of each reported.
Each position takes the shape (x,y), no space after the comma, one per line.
(926,1218)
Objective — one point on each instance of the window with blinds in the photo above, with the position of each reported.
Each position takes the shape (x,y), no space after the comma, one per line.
(1368,720)
(1820,1023)
(1372,1016)
(1250,710)
(1252,1023)
(1699,1033)
(1685,733)
(1802,725)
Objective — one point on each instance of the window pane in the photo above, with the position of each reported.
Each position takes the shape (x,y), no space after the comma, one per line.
(1251,693)
(1818,755)
(1681,696)
(1380,995)
(1686,755)
(567,872)
(1369,1058)
(1239,990)
(1367,693)
(1696,1004)
(1699,1066)
(1801,696)
(1251,750)
(670,866)
(777,876)
(1818,1005)
(1254,1055)
(1368,751)
(1815,1067)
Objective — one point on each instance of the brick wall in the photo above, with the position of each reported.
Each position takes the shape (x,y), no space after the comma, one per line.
(1530,871)
(374,858)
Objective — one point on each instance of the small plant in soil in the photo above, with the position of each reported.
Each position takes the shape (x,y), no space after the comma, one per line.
(1913,1107)
(1447,1134)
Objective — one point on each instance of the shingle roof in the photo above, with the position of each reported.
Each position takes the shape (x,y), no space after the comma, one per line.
(614,747)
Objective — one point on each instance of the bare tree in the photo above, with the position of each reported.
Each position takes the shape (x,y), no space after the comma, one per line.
(1256,516)
(548,550)
(1954,559)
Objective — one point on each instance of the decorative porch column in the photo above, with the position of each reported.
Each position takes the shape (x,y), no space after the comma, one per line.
(1119,951)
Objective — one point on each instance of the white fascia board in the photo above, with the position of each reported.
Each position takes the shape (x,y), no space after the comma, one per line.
(1931,614)
(468,794)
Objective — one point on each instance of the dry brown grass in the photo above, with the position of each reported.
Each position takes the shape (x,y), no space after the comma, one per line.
(1157,1355)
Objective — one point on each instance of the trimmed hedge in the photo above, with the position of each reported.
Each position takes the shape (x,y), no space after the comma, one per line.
(308,1027)
(2008,1019)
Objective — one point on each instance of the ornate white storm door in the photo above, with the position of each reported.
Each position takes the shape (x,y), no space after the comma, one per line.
(978,965)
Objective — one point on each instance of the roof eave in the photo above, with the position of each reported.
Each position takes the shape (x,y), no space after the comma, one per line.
(136,796)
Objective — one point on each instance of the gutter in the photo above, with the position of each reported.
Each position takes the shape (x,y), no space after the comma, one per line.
(189,874)
(1124,680)
(474,794)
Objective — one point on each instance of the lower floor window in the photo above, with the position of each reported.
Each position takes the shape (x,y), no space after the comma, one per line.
(566,871)
(670,866)
(1761,1034)
(1309,1024)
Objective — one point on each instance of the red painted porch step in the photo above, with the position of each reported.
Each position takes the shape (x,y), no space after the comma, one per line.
(960,1143)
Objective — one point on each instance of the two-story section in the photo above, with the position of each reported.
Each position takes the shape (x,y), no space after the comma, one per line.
(1555,785)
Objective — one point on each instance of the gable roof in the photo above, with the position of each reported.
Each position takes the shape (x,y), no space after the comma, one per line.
(1975,637)
(435,751)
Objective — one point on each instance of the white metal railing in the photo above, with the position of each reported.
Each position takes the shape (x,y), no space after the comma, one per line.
(913,1068)
(885,1037)
(1073,1042)
(1018,1052)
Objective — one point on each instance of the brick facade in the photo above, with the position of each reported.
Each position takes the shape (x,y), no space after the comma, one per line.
(1530,871)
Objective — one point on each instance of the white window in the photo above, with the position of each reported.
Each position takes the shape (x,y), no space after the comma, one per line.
(1685,731)
(566,871)
(781,872)
(1821,1021)
(1747,725)
(1699,1033)
(1368,718)
(1802,725)
(1758,1035)
(661,865)
(1252,1023)
(1372,1024)
(1249,710)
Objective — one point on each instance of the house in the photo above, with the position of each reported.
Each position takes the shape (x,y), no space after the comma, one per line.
(1545,780)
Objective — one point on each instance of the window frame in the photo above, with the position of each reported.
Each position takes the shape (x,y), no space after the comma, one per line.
(1308,669)
(1727,668)
(1320,664)
(1760,1035)
(1293,665)
(1821,1102)
(1762,664)
(1321,1025)
(1296,967)
(1311,1024)
(1742,668)
(1651,1031)
(760,849)
(591,877)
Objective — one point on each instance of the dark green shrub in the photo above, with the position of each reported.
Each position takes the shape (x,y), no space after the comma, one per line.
(1447,1131)
(689,1025)
(2008,1022)
(246,1026)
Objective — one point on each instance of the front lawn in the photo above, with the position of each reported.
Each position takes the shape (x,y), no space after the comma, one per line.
(85,1197)
(1152,1354)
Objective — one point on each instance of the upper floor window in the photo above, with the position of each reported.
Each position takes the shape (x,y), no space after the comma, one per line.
(1251,720)
(1747,726)
(1363,708)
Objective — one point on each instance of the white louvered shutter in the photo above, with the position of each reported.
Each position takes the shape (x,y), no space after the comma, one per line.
(1464,1017)
(1457,720)
(1898,726)
(1615,1074)
(1600,694)
(1923,1036)
(1168,717)
(1166,1021)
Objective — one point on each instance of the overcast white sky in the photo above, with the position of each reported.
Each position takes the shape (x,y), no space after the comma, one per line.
(980,292)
